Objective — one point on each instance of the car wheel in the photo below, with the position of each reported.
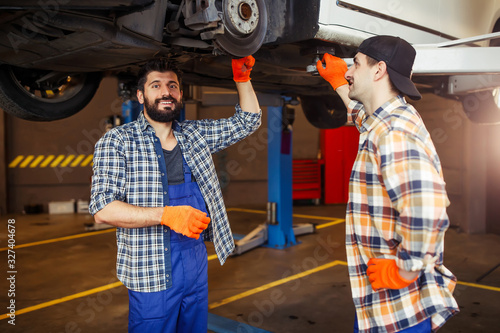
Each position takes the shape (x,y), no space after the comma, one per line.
(245,26)
(324,111)
(45,95)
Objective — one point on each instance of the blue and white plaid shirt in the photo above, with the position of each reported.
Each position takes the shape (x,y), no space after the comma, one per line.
(127,168)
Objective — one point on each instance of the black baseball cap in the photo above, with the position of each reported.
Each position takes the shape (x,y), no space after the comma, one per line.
(399,56)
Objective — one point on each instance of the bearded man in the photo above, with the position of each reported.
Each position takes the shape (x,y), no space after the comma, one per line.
(155,180)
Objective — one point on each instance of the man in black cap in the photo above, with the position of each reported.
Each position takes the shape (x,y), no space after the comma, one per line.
(396,216)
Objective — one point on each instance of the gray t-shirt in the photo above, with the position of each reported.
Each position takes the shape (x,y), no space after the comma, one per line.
(173,160)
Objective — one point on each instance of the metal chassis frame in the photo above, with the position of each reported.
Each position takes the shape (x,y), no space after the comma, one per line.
(470,68)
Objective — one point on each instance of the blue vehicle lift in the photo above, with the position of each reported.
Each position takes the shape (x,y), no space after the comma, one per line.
(130,110)
(278,232)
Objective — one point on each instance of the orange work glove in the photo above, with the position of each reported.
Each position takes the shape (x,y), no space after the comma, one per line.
(185,220)
(384,274)
(334,72)
(242,68)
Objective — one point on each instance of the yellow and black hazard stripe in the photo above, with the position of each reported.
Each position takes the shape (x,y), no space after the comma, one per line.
(51,161)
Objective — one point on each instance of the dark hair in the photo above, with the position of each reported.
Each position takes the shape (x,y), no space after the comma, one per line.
(372,62)
(157,65)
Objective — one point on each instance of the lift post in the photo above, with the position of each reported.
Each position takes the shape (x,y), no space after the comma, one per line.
(279,179)
(278,232)
(130,110)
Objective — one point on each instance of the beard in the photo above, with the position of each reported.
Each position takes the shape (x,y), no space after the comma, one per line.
(165,115)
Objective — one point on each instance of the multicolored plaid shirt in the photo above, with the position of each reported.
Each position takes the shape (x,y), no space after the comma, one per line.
(397,210)
(128,167)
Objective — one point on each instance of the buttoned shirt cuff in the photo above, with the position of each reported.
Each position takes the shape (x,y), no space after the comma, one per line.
(426,264)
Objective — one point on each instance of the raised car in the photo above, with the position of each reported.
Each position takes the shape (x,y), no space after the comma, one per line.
(53,53)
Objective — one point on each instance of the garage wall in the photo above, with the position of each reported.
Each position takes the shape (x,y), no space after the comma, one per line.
(32,183)
(242,168)
(493,183)
(470,156)
(467,152)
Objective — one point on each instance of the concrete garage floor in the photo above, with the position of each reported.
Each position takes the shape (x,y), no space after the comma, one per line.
(65,280)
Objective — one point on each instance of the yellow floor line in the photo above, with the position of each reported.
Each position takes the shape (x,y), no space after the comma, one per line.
(324,225)
(210,257)
(74,296)
(246,210)
(325,218)
(214,304)
(274,284)
(60,239)
(54,240)
(64,299)
(480,286)
(308,272)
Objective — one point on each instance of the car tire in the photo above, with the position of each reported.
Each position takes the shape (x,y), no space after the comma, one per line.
(325,112)
(19,102)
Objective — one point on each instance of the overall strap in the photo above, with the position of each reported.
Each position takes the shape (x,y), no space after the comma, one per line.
(187,171)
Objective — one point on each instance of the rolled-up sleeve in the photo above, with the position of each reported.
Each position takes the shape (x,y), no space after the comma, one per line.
(417,191)
(108,180)
(221,133)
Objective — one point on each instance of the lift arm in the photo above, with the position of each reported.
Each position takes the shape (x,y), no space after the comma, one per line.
(470,68)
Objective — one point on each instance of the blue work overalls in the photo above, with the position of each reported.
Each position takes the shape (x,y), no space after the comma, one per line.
(184,306)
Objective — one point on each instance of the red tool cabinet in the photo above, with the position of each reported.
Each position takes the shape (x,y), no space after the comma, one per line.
(306,179)
(339,148)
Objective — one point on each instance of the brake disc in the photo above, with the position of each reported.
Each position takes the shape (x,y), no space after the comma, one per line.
(245,26)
